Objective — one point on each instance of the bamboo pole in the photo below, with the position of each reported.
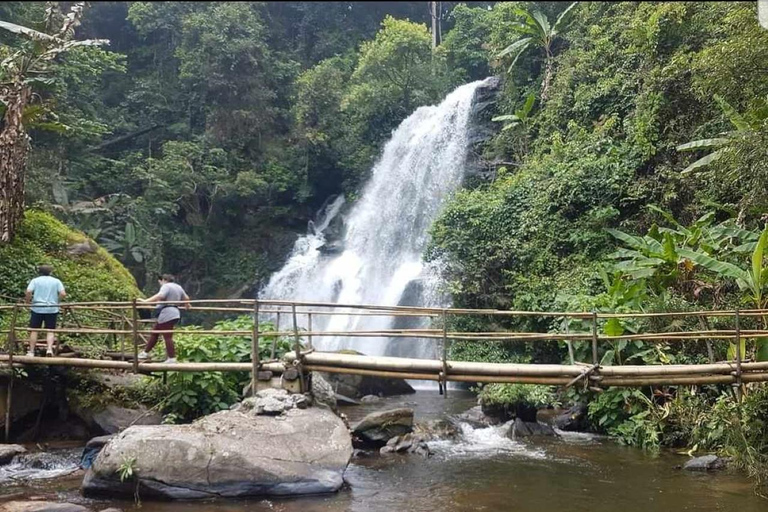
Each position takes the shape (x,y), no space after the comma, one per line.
(738,356)
(135,336)
(297,348)
(11,349)
(274,339)
(255,348)
(594,338)
(445,355)
(309,328)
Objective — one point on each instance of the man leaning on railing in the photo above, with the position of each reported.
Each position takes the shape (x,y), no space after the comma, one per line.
(44,293)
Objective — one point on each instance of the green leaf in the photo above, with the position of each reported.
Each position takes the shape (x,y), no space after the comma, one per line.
(563,19)
(701,162)
(703,144)
(632,241)
(757,265)
(710,263)
(528,106)
(762,349)
(27,32)
(517,46)
(613,327)
(733,116)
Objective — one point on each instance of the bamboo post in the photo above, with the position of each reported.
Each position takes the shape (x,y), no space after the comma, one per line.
(297,345)
(122,339)
(274,340)
(255,347)
(135,334)
(594,338)
(569,342)
(445,356)
(11,350)
(738,356)
(309,328)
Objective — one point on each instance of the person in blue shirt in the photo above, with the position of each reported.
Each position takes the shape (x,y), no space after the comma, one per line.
(44,293)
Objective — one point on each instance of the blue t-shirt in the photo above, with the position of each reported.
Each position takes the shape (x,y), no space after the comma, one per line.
(45,294)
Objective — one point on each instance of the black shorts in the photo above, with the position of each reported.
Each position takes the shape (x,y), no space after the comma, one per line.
(38,319)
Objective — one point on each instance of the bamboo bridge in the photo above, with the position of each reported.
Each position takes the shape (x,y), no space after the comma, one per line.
(116,331)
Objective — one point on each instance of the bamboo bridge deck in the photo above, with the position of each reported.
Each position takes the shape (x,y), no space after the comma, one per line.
(119,324)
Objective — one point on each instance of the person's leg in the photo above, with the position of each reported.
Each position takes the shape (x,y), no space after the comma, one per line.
(35,322)
(152,339)
(50,323)
(170,349)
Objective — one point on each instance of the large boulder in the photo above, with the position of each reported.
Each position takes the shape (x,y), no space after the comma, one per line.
(379,427)
(231,453)
(9,451)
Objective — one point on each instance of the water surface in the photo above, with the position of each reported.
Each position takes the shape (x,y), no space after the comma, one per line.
(484,471)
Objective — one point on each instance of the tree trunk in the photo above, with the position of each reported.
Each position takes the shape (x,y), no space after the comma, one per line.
(14,148)
(547,76)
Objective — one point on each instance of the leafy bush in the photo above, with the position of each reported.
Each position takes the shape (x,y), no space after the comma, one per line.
(510,394)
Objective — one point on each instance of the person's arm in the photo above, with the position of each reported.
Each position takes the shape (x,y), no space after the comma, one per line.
(155,298)
(28,293)
(187,305)
(62,291)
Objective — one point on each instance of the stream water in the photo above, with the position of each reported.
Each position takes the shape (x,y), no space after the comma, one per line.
(482,471)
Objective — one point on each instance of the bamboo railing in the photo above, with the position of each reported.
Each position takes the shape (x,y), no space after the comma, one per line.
(590,374)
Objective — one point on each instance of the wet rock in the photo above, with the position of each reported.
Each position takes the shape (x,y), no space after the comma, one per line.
(357,386)
(370,399)
(408,443)
(322,391)
(477,418)
(111,510)
(345,400)
(113,418)
(522,428)
(436,429)
(92,449)
(272,402)
(40,506)
(506,412)
(228,454)
(379,427)
(9,451)
(706,463)
(573,420)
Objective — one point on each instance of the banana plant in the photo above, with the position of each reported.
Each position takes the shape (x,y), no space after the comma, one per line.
(752,120)
(539,33)
(751,281)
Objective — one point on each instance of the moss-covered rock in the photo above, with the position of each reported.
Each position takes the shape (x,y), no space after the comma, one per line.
(89,274)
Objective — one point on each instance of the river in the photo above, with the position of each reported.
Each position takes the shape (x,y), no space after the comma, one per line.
(482,472)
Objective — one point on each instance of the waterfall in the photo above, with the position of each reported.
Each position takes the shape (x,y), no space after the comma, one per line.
(386,231)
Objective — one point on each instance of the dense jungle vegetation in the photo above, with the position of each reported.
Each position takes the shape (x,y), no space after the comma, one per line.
(628,173)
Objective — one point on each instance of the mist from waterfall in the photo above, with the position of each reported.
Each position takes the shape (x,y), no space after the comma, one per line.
(386,231)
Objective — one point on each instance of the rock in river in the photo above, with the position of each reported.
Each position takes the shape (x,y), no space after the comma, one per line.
(230,453)
(522,428)
(40,506)
(9,451)
(379,427)
(705,463)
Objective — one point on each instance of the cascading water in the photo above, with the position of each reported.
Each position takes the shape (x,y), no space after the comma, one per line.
(380,261)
